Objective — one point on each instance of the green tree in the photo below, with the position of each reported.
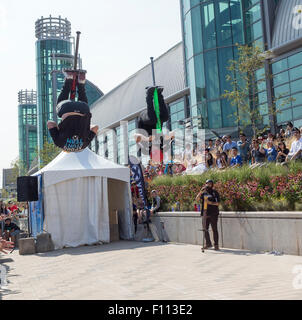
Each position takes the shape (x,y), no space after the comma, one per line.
(48,153)
(245,77)
(19,169)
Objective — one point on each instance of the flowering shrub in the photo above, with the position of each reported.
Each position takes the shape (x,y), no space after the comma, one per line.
(277,193)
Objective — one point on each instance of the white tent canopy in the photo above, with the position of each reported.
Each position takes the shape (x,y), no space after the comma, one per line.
(79,190)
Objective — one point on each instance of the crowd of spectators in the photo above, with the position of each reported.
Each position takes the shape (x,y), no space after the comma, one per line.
(9,222)
(224,152)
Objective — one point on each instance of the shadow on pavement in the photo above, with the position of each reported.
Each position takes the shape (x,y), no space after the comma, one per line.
(113,246)
(237,252)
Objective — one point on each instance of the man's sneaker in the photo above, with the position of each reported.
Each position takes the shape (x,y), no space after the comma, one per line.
(206,247)
(69,73)
(82,76)
(216,247)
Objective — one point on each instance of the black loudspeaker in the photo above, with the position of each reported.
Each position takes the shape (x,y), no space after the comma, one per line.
(27,189)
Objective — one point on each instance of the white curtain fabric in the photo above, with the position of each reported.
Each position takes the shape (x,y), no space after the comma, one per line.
(76,212)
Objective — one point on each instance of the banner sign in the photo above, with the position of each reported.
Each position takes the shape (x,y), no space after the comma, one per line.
(138,177)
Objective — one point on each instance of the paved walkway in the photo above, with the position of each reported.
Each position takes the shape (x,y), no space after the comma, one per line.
(133,270)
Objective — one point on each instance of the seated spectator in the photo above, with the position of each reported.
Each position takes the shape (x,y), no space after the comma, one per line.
(243,147)
(11,230)
(210,145)
(220,162)
(289,129)
(209,158)
(271,152)
(229,144)
(282,134)
(12,207)
(282,152)
(218,145)
(270,137)
(155,202)
(258,153)
(225,158)
(296,147)
(236,160)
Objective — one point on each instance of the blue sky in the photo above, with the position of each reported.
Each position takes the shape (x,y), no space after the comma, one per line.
(118,37)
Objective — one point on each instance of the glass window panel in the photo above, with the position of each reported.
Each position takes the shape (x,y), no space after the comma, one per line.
(263,109)
(199,78)
(186,5)
(223,24)
(237,21)
(197,30)
(214,114)
(297,112)
(283,103)
(265,120)
(284,115)
(260,74)
(279,66)
(194,2)
(261,85)
(295,60)
(254,31)
(262,97)
(212,78)
(281,91)
(249,3)
(209,32)
(296,86)
(224,57)
(281,78)
(253,14)
(295,73)
(188,35)
(228,114)
(297,99)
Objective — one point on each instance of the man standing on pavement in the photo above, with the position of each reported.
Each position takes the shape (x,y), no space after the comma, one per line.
(211,198)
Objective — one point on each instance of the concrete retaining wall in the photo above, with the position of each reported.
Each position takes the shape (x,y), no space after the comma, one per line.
(256,231)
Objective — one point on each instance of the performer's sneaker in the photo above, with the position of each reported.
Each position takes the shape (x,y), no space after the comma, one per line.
(68,73)
(82,76)
(206,247)
(216,247)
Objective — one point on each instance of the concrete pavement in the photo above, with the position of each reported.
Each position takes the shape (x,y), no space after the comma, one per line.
(135,270)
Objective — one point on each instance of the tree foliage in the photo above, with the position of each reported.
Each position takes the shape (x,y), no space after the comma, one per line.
(245,77)
(48,153)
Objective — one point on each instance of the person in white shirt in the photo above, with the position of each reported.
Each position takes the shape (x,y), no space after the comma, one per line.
(296,147)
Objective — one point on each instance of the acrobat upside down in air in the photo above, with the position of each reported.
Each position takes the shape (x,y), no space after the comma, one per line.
(74,133)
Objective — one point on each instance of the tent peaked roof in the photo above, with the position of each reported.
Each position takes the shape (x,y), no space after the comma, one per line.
(86,163)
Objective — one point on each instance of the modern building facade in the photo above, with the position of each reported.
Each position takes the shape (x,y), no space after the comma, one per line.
(54,52)
(211,32)
(27,123)
(9,183)
(117,112)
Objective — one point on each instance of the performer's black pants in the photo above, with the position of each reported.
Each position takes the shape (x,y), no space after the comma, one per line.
(213,221)
(148,117)
(80,106)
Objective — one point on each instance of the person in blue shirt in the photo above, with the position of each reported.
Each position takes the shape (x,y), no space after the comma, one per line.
(236,160)
(229,144)
(271,152)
